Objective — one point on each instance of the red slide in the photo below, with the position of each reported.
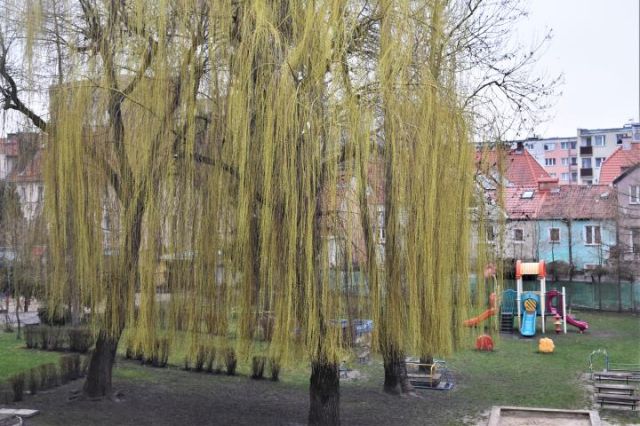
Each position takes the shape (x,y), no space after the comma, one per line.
(552,294)
(472,322)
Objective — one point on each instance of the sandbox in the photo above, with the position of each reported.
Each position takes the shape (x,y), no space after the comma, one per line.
(525,416)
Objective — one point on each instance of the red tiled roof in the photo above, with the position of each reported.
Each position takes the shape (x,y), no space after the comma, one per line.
(523,208)
(578,202)
(621,159)
(520,168)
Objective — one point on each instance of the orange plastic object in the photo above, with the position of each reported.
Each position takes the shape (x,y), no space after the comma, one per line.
(484,343)
(542,270)
(545,345)
(472,322)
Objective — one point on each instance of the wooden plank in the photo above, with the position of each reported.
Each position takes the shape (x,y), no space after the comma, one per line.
(424,377)
(624,389)
(617,397)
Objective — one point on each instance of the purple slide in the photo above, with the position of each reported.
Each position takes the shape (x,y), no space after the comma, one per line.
(552,294)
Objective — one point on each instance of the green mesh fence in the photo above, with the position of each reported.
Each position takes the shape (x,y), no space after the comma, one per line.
(592,295)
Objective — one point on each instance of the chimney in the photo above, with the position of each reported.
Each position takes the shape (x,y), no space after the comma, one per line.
(519,147)
(626,144)
(547,183)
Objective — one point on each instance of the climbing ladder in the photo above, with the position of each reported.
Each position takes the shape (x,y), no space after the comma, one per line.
(507,311)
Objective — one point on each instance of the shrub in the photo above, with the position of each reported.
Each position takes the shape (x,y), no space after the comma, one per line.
(34,381)
(231,362)
(31,337)
(80,339)
(66,369)
(17,383)
(43,370)
(56,339)
(187,363)
(257,367)
(201,357)
(6,394)
(43,333)
(48,376)
(274,366)
(160,356)
(77,366)
(211,359)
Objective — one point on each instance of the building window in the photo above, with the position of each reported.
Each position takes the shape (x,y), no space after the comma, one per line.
(574,176)
(586,163)
(599,140)
(635,240)
(620,136)
(574,161)
(634,194)
(565,161)
(518,235)
(549,146)
(554,235)
(599,161)
(586,141)
(565,177)
(568,145)
(592,235)
(549,161)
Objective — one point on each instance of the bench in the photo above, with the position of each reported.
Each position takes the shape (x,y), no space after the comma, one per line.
(616,399)
(614,389)
(613,376)
(625,368)
(424,380)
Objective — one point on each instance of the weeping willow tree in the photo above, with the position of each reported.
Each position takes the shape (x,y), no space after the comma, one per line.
(217,137)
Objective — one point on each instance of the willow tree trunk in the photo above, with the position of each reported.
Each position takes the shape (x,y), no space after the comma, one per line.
(324,394)
(98,382)
(396,381)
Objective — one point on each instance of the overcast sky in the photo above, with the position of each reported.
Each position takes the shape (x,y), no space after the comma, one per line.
(596,45)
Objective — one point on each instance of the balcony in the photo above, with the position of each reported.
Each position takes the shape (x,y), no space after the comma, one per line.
(586,151)
(586,172)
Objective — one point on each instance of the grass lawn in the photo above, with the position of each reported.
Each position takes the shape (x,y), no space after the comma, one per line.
(515,374)
(14,358)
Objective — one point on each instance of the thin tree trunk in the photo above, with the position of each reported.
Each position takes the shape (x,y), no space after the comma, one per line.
(98,382)
(324,394)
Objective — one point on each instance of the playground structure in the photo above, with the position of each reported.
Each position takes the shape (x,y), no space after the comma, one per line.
(530,305)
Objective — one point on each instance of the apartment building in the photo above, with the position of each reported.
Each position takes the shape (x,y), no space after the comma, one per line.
(596,145)
(558,156)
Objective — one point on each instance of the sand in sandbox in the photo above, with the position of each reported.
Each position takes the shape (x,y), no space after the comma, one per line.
(515,418)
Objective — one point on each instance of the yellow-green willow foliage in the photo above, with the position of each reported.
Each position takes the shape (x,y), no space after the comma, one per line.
(203,155)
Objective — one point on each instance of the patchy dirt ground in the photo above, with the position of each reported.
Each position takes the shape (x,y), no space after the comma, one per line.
(173,397)
(149,396)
